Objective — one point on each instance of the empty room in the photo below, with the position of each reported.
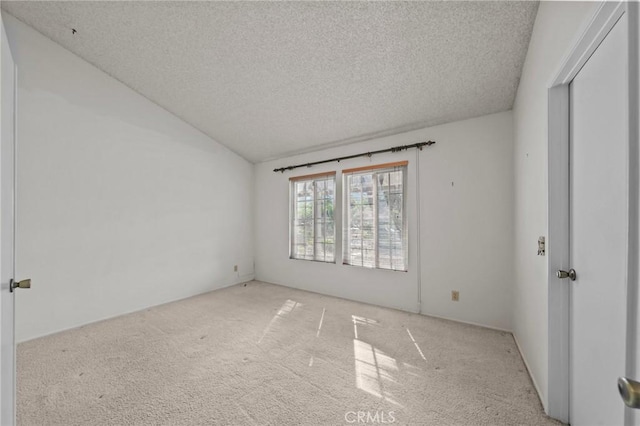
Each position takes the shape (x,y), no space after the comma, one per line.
(319,213)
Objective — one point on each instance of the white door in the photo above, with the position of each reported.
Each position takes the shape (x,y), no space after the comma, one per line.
(599,232)
(7,185)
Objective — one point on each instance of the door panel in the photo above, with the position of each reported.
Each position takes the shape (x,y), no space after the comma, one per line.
(7,185)
(599,231)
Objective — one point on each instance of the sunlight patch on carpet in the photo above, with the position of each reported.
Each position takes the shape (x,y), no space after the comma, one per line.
(374,370)
(287,307)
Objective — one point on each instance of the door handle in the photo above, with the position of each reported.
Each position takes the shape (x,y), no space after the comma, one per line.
(629,391)
(571,274)
(19,284)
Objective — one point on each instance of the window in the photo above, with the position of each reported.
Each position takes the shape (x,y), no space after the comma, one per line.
(313,231)
(375,231)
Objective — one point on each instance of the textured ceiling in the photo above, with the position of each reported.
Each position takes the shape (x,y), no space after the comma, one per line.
(268,79)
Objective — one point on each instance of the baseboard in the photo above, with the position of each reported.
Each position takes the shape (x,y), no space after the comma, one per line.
(477,324)
(393,307)
(239,280)
(533,379)
(337,296)
(245,278)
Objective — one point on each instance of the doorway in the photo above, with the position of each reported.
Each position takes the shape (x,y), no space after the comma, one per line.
(591,217)
(7,229)
(598,231)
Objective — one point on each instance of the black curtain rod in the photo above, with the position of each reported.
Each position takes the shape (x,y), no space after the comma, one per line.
(418,145)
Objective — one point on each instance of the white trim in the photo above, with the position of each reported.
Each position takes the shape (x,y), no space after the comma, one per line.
(8,186)
(631,367)
(602,22)
(526,364)
(475,324)
(244,279)
(558,295)
(14,397)
(558,372)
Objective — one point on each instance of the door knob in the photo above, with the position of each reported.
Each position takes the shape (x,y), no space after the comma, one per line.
(629,391)
(571,274)
(19,284)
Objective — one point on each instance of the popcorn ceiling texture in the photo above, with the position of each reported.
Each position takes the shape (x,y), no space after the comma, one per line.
(268,79)
(266,354)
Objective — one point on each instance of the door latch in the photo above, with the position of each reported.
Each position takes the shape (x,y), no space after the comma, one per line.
(19,284)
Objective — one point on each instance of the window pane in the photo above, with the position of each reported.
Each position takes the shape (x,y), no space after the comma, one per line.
(374,220)
(311,213)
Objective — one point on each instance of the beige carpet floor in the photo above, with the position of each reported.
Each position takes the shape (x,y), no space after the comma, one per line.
(265,354)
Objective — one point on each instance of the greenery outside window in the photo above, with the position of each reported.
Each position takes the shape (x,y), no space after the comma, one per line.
(313,231)
(375,224)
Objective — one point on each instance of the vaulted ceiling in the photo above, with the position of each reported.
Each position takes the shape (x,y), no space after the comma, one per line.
(268,79)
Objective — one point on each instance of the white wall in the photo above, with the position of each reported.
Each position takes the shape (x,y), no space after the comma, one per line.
(557,28)
(121,205)
(466,228)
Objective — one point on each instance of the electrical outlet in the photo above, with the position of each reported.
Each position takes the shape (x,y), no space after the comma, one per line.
(455,295)
(235,268)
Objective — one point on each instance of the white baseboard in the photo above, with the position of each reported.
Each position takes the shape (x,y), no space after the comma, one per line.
(467,322)
(239,280)
(533,379)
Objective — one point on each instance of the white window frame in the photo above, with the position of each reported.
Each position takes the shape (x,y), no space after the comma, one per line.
(347,237)
(314,178)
